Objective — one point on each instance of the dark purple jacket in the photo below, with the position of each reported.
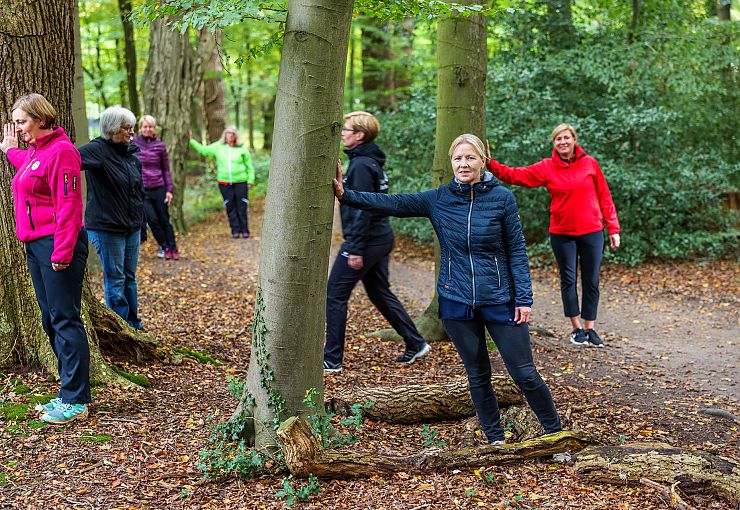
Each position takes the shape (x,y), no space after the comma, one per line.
(155,164)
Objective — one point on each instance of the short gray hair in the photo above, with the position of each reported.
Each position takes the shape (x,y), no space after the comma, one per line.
(113,118)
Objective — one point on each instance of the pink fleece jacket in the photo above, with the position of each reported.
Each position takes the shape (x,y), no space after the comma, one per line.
(47,193)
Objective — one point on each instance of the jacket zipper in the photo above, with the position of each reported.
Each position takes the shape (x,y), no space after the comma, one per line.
(470,251)
(28,210)
(66,181)
(449,266)
(498,272)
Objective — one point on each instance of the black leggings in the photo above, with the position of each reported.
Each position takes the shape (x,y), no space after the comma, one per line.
(589,250)
(158,216)
(236,201)
(513,344)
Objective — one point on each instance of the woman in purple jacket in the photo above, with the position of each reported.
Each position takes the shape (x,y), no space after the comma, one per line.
(47,195)
(155,173)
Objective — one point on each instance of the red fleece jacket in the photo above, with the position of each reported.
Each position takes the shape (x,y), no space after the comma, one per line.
(580,200)
(47,193)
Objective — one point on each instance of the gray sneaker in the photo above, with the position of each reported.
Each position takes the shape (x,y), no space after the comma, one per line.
(411,355)
(332,367)
(578,337)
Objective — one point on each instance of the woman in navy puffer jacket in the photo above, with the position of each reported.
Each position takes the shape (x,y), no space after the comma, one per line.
(483,278)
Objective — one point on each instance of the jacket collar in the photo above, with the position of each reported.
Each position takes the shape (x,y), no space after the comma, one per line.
(486,183)
(46,140)
(577,154)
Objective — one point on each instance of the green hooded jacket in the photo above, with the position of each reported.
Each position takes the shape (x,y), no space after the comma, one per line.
(233,164)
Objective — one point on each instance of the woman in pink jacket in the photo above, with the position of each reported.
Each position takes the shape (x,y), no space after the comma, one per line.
(48,217)
(580,204)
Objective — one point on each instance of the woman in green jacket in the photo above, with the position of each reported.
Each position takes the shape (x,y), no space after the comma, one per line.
(235,176)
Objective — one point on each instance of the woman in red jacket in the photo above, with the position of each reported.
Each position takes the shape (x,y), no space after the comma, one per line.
(580,203)
(47,194)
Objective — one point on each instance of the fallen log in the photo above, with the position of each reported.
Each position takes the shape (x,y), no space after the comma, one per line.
(421,403)
(304,454)
(697,471)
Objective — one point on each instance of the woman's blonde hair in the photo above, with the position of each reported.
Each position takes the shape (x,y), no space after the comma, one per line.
(231,129)
(149,119)
(37,107)
(563,127)
(470,140)
(364,122)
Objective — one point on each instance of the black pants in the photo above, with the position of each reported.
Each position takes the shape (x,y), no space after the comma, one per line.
(158,216)
(513,344)
(236,201)
(589,250)
(374,276)
(59,294)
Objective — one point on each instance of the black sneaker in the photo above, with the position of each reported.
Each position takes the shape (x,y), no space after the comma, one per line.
(411,355)
(593,338)
(578,337)
(332,367)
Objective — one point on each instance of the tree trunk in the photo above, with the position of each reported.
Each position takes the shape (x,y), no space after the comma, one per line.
(79,110)
(268,118)
(305,456)
(169,84)
(213,97)
(43,34)
(376,64)
(129,56)
(289,319)
(462,57)
(427,403)
(695,470)
(723,10)
(561,32)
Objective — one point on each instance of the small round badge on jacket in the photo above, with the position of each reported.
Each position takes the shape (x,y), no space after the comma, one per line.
(35,165)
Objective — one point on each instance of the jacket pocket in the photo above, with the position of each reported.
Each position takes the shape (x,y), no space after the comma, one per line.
(30,218)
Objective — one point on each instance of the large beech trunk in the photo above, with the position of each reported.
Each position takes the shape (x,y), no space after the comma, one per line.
(305,456)
(696,471)
(38,55)
(421,403)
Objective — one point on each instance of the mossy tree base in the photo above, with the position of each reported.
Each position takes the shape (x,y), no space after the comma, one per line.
(304,454)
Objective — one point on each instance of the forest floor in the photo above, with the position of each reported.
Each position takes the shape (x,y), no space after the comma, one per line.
(673,347)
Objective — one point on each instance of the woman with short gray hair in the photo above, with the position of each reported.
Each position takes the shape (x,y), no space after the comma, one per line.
(114,213)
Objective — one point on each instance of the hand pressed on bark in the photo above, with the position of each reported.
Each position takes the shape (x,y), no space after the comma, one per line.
(338,186)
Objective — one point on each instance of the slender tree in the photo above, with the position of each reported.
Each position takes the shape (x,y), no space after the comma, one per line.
(170,81)
(561,32)
(377,78)
(38,56)
(129,56)
(212,95)
(723,10)
(288,329)
(79,112)
(462,57)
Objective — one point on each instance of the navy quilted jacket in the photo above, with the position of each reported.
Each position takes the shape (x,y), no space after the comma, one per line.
(482,251)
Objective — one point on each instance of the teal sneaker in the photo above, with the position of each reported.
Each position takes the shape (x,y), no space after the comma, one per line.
(49,406)
(65,413)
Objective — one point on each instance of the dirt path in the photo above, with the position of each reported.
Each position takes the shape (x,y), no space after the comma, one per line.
(140,448)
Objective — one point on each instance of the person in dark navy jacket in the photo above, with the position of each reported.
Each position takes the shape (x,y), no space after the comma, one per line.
(483,281)
(368,241)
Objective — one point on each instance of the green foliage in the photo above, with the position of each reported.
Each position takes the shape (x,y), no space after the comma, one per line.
(292,496)
(430,436)
(659,114)
(11,411)
(321,421)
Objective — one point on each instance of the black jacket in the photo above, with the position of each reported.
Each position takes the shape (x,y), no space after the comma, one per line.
(115,196)
(482,251)
(365,173)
